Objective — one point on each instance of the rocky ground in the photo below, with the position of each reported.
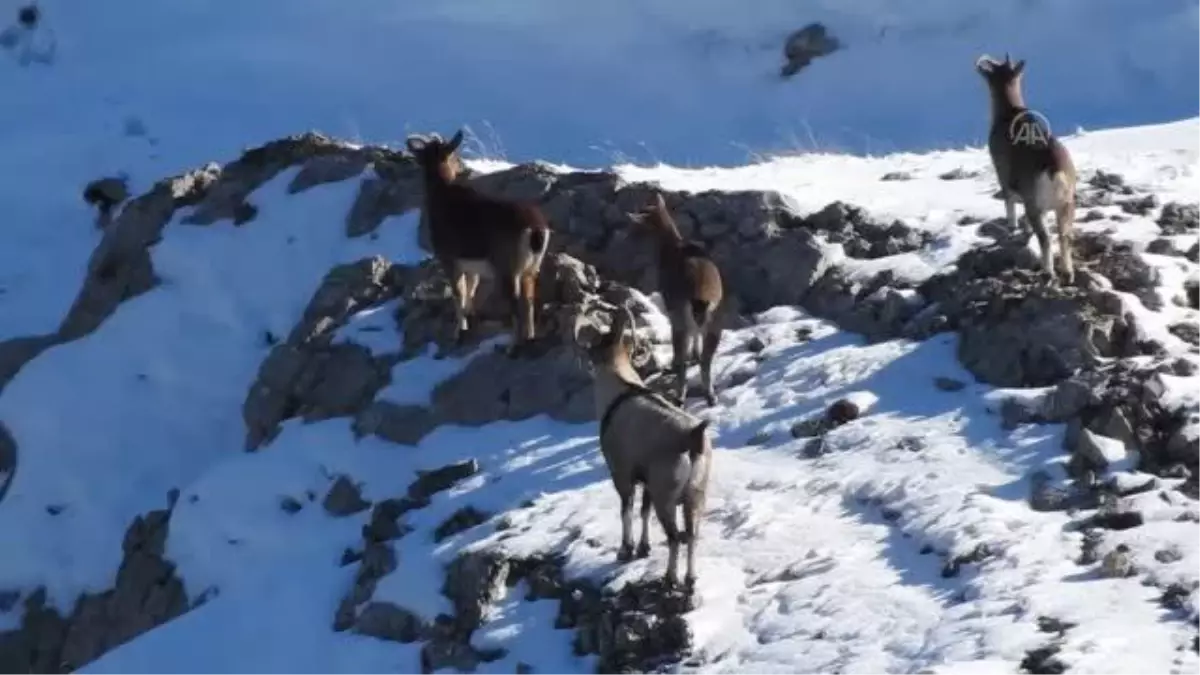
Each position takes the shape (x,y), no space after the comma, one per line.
(1107,358)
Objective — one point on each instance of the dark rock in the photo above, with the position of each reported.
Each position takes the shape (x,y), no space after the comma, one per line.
(461,520)
(105,193)
(429,483)
(386,621)
(1043,661)
(801,47)
(959,173)
(290,505)
(1175,596)
(1119,520)
(383,525)
(344,498)
(1161,247)
(896,176)
(755,344)
(1177,218)
(1140,206)
(1188,332)
(1169,555)
(842,412)
(1049,624)
(147,593)
(403,424)
(948,384)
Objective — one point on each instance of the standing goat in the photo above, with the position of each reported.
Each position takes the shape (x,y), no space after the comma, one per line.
(474,234)
(1031,164)
(645,439)
(691,289)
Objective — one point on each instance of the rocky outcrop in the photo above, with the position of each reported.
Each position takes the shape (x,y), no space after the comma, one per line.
(801,47)
(146,593)
(310,376)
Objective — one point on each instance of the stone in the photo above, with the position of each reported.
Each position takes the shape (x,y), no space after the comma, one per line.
(896,176)
(429,483)
(948,384)
(387,621)
(1117,563)
(1098,452)
(461,520)
(344,498)
(474,581)
(808,43)
(1177,218)
(290,505)
(402,424)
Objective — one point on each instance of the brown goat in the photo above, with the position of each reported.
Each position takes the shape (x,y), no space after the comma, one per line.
(475,234)
(1031,164)
(692,291)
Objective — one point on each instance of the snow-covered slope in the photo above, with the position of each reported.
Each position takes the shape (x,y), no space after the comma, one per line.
(832,563)
(836,561)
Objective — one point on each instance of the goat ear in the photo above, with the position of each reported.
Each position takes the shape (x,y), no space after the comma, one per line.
(985,64)
(1019,67)
(455,142)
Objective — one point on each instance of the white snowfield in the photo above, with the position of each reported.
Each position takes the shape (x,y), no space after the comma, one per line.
(826,564)
(831,564)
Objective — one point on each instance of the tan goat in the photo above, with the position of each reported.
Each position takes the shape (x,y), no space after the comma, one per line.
(648,440)
(691,288)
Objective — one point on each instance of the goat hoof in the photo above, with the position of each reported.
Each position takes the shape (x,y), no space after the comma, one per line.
(710,399)
(670,581)
(643,550)
(624,554)
(689,583)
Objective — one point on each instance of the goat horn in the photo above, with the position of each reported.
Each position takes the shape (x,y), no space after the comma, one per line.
(1007,59)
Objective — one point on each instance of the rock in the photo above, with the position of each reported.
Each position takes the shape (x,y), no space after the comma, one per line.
(755,344)
(1188,332)
(1140,206)
(429,483)
(1184,367)
(324,169)
(1043,661)
(147,593)
(402,424)
(1177,218)
(842,412)
(378,198)
(1115,520)
(1014,413)
(1098,452)
(1168,555)
(896,176)
(813,426)
(105,193)
(386,621)
(344,498)
(804,45)
(959,173)
(290,505)
(461,520)
(383,525)
(1117,563)
(474,581)
(1161,247)
(1017,333)
(1183,443)
(1120,264)
(307,376)
(1044,496)
(948,384)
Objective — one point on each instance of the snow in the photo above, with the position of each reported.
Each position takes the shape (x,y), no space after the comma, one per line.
(826,563)
(806,564)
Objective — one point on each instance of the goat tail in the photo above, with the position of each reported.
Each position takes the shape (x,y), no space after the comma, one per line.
(538,239)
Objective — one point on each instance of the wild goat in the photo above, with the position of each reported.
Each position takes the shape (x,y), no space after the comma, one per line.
(691,289)
(646,439)
(474,234)
(1031,164)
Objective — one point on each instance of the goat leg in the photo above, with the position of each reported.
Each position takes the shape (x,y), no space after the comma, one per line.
(1037,222)
(666,516)
(691,508)
(625,553)
(680,344)
(711,339)
(643,548)
(1065,217)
